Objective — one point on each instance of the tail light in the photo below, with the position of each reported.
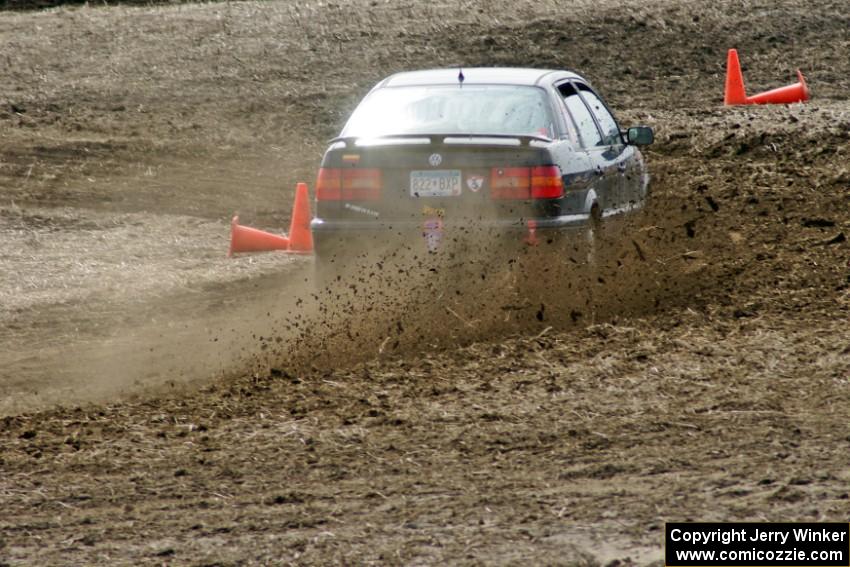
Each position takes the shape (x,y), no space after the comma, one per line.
(361,184)
(329,184)
(546,182)
(542,182)
(348,184)
(510,183)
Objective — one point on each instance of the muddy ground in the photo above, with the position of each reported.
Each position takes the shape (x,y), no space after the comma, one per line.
(166,405)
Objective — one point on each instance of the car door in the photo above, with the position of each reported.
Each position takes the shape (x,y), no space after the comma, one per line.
(618,158)
(602,171)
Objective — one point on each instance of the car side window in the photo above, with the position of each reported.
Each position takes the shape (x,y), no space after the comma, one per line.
(610,129)
(581,117)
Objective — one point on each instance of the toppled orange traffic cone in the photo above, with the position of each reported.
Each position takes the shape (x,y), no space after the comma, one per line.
(736,94)
(246,239)
(798,92)
(531,237)
(300,236)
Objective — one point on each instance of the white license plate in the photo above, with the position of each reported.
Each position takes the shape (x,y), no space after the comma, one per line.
(435,183)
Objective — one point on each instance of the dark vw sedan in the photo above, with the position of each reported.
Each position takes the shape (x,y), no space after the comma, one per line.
(515,151)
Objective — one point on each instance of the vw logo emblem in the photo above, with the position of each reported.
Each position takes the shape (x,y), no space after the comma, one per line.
(435,159)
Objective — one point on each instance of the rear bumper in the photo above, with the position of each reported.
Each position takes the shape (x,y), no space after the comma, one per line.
(337,228)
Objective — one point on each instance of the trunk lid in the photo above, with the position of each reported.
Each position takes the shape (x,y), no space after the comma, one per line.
(421,177)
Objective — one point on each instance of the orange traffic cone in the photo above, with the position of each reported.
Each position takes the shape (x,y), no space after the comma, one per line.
(300,236)
(735,92)
(246,239)
(531,237)
(798,92)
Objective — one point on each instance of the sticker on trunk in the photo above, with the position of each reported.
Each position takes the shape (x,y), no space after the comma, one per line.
(475,183)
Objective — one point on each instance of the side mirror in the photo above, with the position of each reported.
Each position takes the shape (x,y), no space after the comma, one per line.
(640,136)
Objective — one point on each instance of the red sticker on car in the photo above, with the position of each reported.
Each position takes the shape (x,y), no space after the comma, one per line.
(432,232)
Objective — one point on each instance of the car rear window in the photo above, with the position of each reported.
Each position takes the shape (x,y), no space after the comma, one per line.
(452,109)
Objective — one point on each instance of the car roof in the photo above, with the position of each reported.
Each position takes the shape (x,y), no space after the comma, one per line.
(476,76)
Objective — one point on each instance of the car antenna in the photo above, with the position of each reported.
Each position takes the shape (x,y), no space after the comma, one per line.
(460,77)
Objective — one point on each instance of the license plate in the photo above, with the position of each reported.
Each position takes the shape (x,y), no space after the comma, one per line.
(435,183)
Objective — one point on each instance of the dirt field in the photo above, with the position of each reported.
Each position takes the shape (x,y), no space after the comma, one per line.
(162,404)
